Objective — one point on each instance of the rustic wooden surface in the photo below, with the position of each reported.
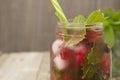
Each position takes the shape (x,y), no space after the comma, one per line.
(29,25)
(25,66)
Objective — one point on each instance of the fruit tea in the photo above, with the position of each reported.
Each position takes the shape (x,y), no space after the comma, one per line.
(80,52)
(88,59)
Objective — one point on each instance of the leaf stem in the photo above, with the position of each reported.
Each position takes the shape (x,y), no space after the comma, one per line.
(83,77)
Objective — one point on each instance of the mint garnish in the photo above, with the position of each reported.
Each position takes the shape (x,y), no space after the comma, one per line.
(79,19)
(96,52)
(79,22)
(74,41)
(95,16)
(109,35)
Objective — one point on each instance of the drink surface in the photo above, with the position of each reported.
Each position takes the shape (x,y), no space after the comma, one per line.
(80,59)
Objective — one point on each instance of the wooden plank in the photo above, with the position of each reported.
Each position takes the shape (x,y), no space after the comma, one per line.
(44,69)
(21,66)
(105,3)
(117,4)
(3,58)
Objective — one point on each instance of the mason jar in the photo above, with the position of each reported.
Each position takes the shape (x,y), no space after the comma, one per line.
(80,53)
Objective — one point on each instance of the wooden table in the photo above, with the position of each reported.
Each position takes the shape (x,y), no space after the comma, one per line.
(25,66)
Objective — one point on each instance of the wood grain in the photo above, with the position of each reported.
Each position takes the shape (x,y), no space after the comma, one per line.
(23,66)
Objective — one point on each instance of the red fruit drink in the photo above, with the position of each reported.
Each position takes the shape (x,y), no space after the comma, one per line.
(80,53)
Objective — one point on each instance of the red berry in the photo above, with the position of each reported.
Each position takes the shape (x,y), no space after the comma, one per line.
(93,35)
(82,48)
(78,60)
(66,53)
(105,63)
(92,38)
(67,78)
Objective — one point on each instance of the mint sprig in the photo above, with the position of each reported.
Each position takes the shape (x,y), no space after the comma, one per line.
(95,16)
(109,35)
(96,52)
(79,19)
(59,12)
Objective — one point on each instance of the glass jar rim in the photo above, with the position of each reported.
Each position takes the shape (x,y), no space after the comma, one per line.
(98,26)
(67,25)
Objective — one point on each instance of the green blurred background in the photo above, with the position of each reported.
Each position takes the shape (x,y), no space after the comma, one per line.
(112,36)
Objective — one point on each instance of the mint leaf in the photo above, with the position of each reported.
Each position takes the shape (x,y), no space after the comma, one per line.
(95,16)
(74,41)
(96,52)
(79,19)
(79,22)
(92,71)
(75,35)
(90,53)
(108,12)
(89,70)
(59,12)
(109,35)
(85,68)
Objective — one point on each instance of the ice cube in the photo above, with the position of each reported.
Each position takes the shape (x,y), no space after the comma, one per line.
(61,63)
(56,46)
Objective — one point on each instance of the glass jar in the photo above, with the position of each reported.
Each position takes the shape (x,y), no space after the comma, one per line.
(80,53)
